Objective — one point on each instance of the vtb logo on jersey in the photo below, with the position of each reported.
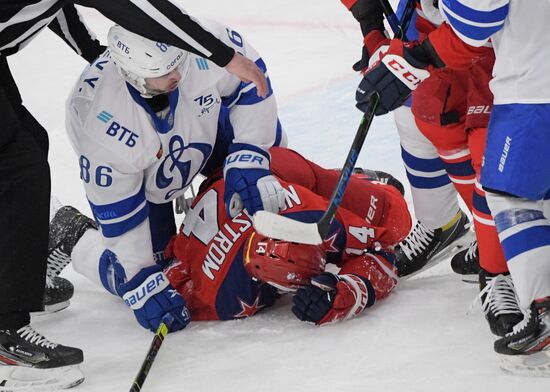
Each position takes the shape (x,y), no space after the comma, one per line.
(181,164)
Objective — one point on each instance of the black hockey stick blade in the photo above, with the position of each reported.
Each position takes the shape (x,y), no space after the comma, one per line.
(161,333)
(286,229)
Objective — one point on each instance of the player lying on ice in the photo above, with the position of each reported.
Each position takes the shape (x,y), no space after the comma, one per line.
(220,265)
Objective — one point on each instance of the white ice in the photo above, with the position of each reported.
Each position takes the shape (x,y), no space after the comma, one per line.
(418,339)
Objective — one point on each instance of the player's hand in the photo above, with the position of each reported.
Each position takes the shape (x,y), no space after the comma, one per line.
(248,71)
(150,295)
(330,298)
(394,77)
(249,183)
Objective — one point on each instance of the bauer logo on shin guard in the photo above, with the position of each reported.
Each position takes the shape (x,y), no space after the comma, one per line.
(154,284)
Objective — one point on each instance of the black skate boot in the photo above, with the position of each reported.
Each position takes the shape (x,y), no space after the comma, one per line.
(57,296)
(499,302)
(66,228)
(29,361)
(529,342)
(382,177)
(424,246)
(466,263)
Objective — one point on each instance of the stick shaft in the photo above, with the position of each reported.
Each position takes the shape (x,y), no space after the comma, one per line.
(161,333)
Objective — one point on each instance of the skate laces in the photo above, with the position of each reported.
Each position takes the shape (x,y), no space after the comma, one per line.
(33,337)
(417,240)
(471,253)
(528,314)
(57,261)
(501,296)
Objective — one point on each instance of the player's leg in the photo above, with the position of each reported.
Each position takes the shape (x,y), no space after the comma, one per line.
(380,204)
(24,216)
(517,173)
(440,220)
(499,303)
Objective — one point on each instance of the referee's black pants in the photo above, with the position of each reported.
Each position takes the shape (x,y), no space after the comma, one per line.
(24,207)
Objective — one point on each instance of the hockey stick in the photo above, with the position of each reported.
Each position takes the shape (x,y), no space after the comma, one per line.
(287,229)
(399,28)
(161,333)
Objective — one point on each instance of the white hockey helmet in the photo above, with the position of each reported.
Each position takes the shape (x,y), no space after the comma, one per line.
(138,58)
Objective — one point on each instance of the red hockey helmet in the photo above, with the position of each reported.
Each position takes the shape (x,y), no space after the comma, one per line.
(285,265)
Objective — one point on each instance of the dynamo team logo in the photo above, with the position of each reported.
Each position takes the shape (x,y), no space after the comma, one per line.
(181,164)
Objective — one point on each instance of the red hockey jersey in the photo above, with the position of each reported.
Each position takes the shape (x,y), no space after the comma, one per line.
(210,246)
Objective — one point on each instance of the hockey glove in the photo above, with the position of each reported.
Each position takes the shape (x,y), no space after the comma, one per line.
(375,44)
(394,77)
(249,183)
(331,298)
(150,295)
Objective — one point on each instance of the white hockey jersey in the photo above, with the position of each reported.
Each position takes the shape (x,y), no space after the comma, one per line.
(129,156)
(519,32)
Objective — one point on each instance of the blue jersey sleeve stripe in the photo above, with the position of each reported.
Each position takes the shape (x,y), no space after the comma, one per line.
(475,16)
(246,93)
(106,212)
(476,33)
(117,229)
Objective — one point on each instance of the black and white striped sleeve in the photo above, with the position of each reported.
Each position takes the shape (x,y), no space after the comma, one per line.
(164,21)
(72,29)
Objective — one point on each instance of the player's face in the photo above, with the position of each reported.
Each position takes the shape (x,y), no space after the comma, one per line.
(164,84)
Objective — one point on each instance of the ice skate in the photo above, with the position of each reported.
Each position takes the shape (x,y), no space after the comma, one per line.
(499,302)
(466,263)
(30,362)
(66,228)
(424,247)
(526,350)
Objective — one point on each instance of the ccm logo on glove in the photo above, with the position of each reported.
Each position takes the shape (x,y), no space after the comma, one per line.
(154,284)
(402,70)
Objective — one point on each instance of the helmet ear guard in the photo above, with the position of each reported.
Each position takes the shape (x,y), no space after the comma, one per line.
(284,265)
(138,58)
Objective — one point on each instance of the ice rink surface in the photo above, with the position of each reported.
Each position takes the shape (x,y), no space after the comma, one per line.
(418,339)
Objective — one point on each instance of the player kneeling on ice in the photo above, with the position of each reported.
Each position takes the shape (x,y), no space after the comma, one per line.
(226,270)
(144,120)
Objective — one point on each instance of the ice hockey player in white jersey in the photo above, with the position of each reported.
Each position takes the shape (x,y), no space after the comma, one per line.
(144,119)
(516,171)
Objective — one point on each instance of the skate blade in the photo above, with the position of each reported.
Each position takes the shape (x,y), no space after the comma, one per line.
(52,308)
(532,365)
(20,378)
(472,279)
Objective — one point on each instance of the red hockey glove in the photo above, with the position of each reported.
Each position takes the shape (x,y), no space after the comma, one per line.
(332,298)
(394,77)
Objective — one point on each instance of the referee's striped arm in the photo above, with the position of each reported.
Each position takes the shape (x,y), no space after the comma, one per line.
(162,20)
(72,29)
(474,21)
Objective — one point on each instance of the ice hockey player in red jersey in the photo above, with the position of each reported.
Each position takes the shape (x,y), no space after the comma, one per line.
(225,270)
(451,102)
